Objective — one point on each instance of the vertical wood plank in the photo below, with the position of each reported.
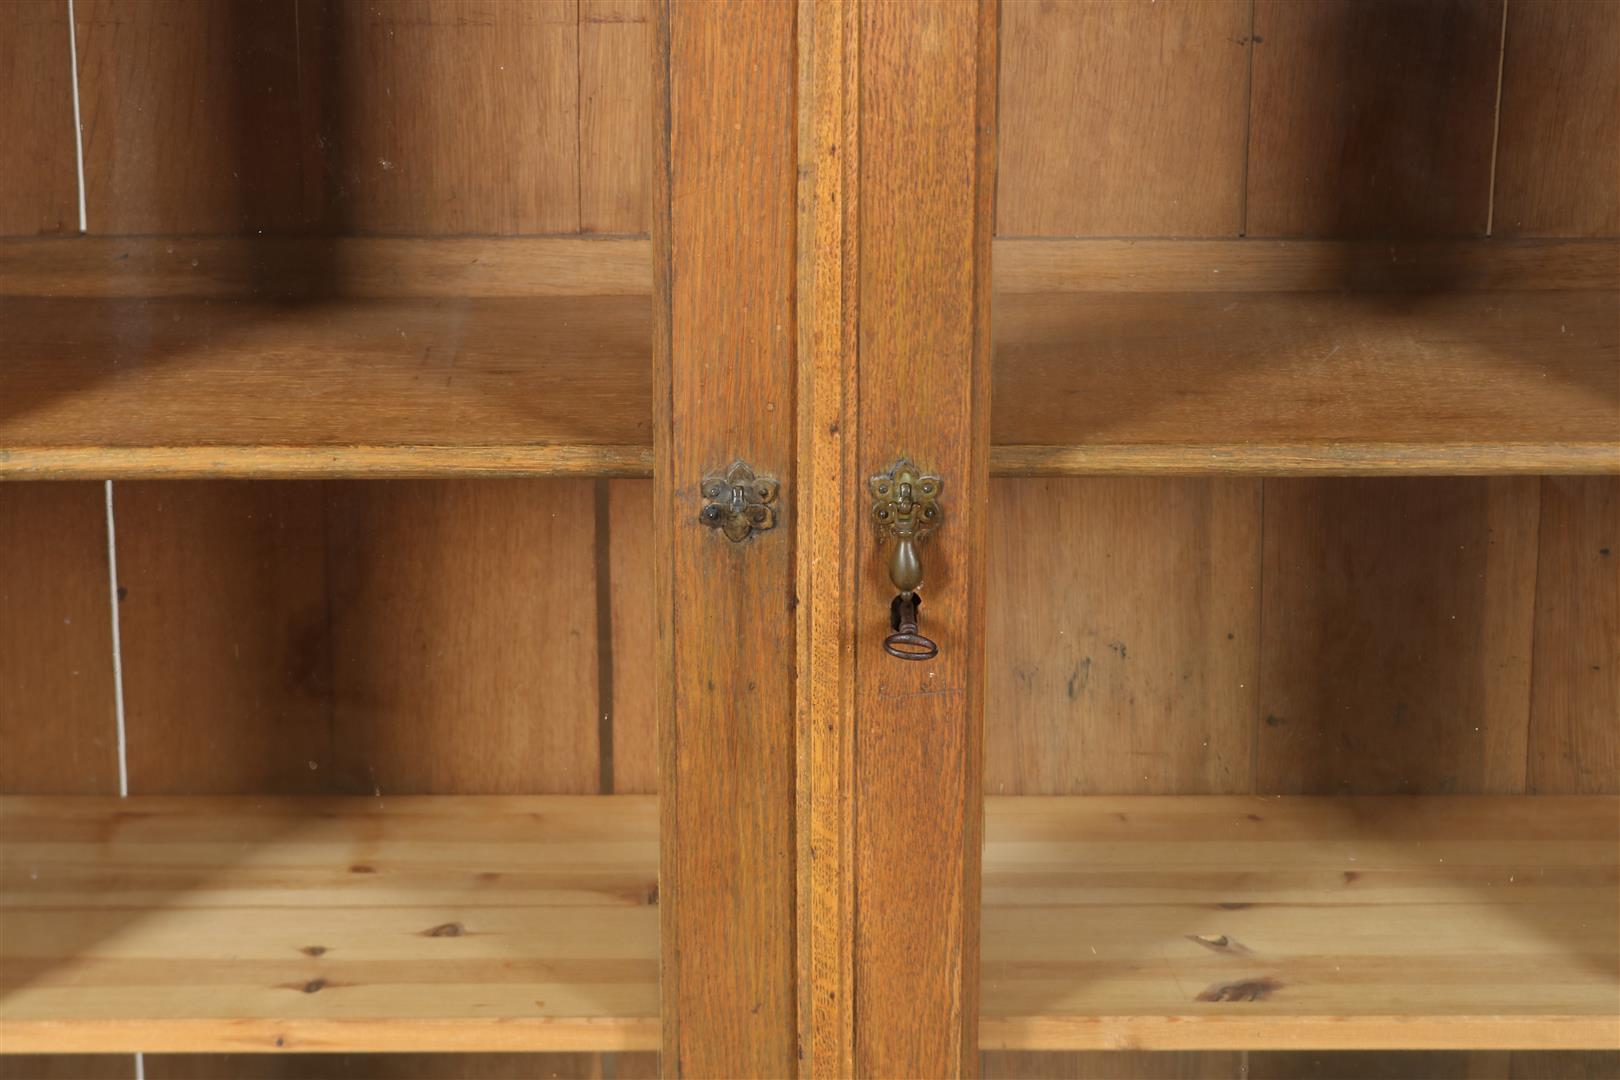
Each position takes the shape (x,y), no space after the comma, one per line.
(225,637)
(1379,1065)
(615,115)
(1123,119)
(1553,1065)
(724,390)
(38,175)
(1113,1065)
(455,117)
(193,115)
(925,184)
(636,1067)
(1372,119)
(630,576)
(67,1067)
(58,727)
(464,637)
(1558,151)
(1396,635)
(1574,736)
(1123,636)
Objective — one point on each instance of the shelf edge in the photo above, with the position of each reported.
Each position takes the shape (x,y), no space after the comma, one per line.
(319,462)
(1273,1032)
(1307,459)
(361,1036)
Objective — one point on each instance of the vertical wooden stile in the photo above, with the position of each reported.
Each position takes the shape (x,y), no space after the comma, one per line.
(723,356)
(829,526)
(897,130)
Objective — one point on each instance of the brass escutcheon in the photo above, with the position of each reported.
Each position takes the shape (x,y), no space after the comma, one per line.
(739,502)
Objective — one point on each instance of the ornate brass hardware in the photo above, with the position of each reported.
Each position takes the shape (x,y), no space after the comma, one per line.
(905,508)
(738,503)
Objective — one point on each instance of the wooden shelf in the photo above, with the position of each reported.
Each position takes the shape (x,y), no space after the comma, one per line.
(375,357)
(1306,382)
(437,923)
(166,386)
(444,923)
(1266,923)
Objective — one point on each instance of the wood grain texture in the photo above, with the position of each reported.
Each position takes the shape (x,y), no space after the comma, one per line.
(38,179)
(1477,354)
(1372,1065)
(463,637)
(1372,119)
(829,528)
(1263,923)
(195,116)
(1349,905)
(564,372)
(326,267)
(615,115)
(1435,1065)
(1111,1065)
(1396,636)
(375,1066)
(1558,151)
(1265,266)
(633,624)
(1085,382)
(323,462)
(58,722)
(426,117)
(225,635)
(229,267)
(1551,1065)
(1122,636)
(723,365)
(1575,686)
(926,188)
(1358,382)
(1123,119)
(260,924)
(67,1066)
(454,116)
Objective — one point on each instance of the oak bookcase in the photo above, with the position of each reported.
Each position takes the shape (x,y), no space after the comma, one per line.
(374,703)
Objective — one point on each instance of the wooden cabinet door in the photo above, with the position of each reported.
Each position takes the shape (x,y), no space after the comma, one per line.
(822,295)
(897,176)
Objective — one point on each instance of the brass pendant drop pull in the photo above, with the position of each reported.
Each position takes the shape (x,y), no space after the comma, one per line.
(905,508)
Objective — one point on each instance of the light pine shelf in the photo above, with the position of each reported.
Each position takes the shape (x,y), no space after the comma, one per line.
(375,357)
(390,924)
(1188,922)
(445,923)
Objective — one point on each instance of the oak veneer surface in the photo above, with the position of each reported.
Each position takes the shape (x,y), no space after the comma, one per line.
(1559,142)
(1307,382)
(723,368)
(1112,381)
(528,923)
(451,357)
(56,640)
(36,157)
(109,386)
